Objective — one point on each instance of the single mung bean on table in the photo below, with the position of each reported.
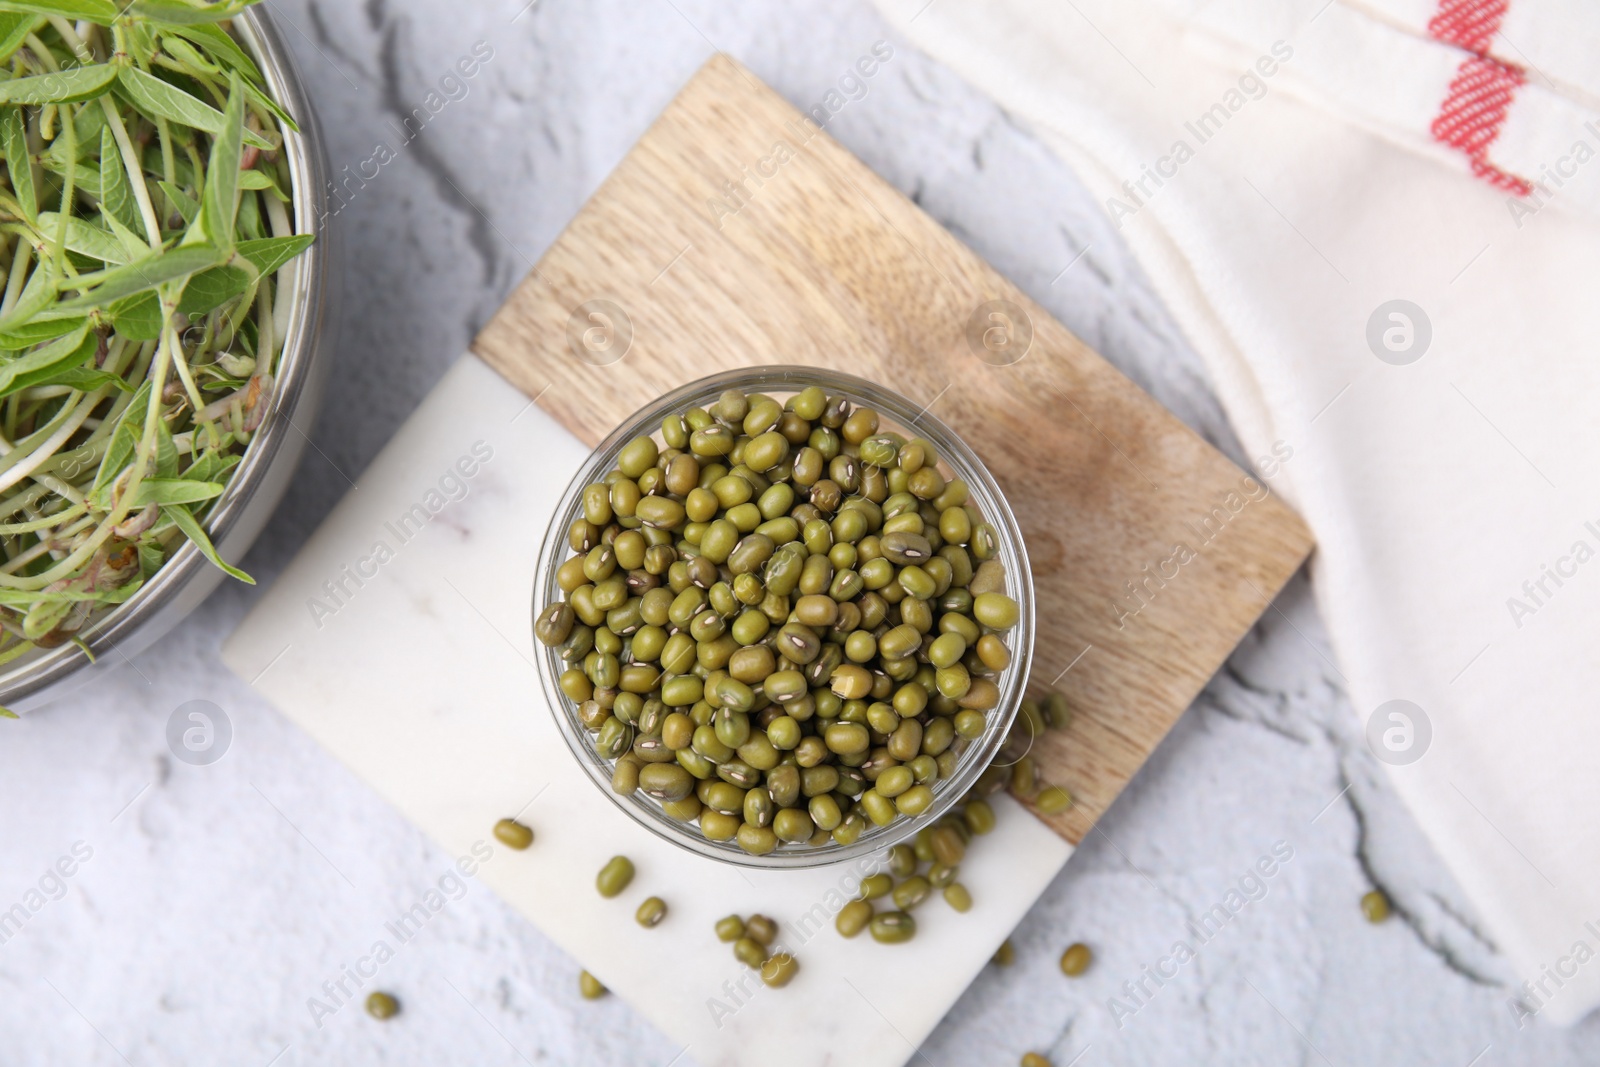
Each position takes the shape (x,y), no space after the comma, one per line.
(1076,959)
(853,918)
(761,930)
(614,876)
(513,834)
(382,1005)
(589,986)
(749,951)
(1052,800)
(892,927)
(651,912)
(779,970)
(957,896)
(774,586)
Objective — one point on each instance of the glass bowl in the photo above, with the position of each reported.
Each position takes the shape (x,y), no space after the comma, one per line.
(896,413)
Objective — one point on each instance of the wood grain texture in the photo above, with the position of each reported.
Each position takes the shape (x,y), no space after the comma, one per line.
(736,233)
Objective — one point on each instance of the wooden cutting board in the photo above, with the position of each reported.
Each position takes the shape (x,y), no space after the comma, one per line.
(737,233)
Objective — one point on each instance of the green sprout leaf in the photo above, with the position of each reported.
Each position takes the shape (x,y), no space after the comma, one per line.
(167,491)
(165,100)
(140,276)
(137,318)
(192,530)
(59,87)
(14,29)
(211,289)
(179,13)
(116,194)
(224,50)
(37,333)
(88,239)
(124,439)
(19,163)
(220,202)
(103,12)
(72,350)
(271,253)
(187,205)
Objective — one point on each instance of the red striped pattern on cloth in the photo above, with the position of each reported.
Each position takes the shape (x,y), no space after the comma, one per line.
(1482,91)
(1469,24)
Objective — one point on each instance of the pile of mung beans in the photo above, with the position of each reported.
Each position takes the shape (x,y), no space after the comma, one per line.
(752,943)
(931,860)
(781,620)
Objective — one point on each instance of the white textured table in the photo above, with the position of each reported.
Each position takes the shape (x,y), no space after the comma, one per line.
(215,900)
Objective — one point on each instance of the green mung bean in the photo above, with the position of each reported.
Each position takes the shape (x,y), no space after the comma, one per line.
(902,861)
(589,986)
(911,892)
(749,952)
(892,927)
(957,896)
(614,876)
(876,885)
(382,1005)
(779,970)
(1076,959)
(761,929)
(513,834)
(1053,800)
(979,816)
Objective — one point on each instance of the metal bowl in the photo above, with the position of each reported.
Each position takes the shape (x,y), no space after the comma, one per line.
(262,476)
(956,460)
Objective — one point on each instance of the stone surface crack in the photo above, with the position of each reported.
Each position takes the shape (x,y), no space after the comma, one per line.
(480,235)
(1447,953)
(331,41)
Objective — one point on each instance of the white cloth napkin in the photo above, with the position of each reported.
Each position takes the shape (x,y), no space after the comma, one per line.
(1273,166)
(1504,92)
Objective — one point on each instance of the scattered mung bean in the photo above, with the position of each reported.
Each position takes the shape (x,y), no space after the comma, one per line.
(651,912)
(911,892)
(779,970)
(876,885)
(513,834)
(749,952)
(893,927)
(614,876)
(1076,959)
(589,986)
(853,918)
(1375,906)
(761,930)
(382,1005)
(1052,800)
